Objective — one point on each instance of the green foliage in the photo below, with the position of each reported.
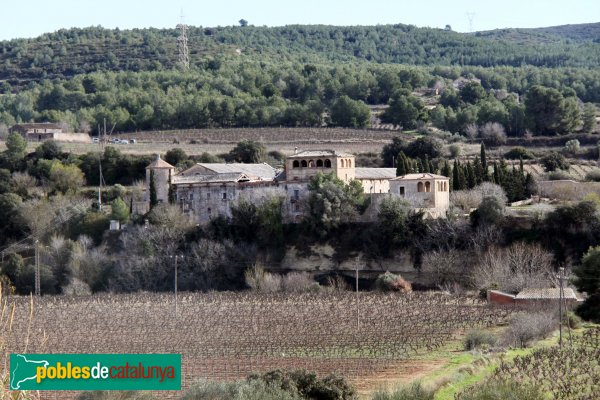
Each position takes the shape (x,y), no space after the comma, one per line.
(175,156)
(589,118)
(404,110)
(65,178)
(112,395)
(332,202)
(553,161)
(472,92)
(593,175)
(489,212)
(519,153)
(120,210)
(16,147)
(477,338)
(424,147)
(389,282)
(549,112)
(48,150)
(250,390)
(494,390)
(390,151)
(248,152)
(350,113)
(92,224)
(414,391)
(588,280)
(12,224)
(152,191)
(307,385)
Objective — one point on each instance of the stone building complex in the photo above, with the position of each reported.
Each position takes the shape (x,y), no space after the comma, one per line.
(206,190)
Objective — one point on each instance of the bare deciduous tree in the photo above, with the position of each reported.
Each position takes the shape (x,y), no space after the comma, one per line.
(514,268)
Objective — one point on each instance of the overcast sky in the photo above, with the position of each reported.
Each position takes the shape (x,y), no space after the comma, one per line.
(31,18)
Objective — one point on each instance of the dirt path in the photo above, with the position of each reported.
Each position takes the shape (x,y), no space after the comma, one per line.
(400,373)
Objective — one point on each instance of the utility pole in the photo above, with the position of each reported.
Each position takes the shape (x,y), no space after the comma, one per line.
(37,269)
(175,280)
(560,305)
(357,298)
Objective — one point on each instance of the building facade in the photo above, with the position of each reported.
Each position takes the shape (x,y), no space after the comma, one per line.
(208,190)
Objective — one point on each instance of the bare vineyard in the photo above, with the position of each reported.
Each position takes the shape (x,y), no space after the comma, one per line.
(268,135)
(568,373)
(229,335)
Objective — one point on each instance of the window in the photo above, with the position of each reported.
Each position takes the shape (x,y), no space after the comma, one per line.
(296,193)
(304,164)
(420,187)
(349,163)
(224,195)
(208,210)
(328,163)
(297,207)
(402,191)
(428,186)
(311,164)
(207,196)
(296,164)
(191,196)
(343,163)
(320,163)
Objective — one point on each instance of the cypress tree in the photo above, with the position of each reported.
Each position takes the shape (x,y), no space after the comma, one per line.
(470,176)
(478,171)
(484,164)
(419,166)
(432,167)
(152,190)
(401,168)
(455,177)
(497,179)
(462,179)
(446,169)
(426,164)
(521,168)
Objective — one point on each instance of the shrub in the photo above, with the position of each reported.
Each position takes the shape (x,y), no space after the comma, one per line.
(455,150)
(517,153)
(250,390)
(476,338)
(307,385)
(593,175)
(389,282)
(298,282)
(493,390)
(572,320)
(572,146)
(553,161)
(412,392)
(526,327)
(262,281)
(559,176)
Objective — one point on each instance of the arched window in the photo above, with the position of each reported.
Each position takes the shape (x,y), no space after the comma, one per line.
(311,164)
(343,164)
(349,164)
(328,163)
(428,186)
(420,187)
(445,188)
(296,164)
(320,163)
(304,165)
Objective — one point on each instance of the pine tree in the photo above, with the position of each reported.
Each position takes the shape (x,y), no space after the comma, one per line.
(152,190)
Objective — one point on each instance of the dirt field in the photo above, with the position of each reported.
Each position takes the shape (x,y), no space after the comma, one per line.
(226,336)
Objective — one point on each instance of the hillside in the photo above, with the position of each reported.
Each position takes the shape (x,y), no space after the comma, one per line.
(75,51)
